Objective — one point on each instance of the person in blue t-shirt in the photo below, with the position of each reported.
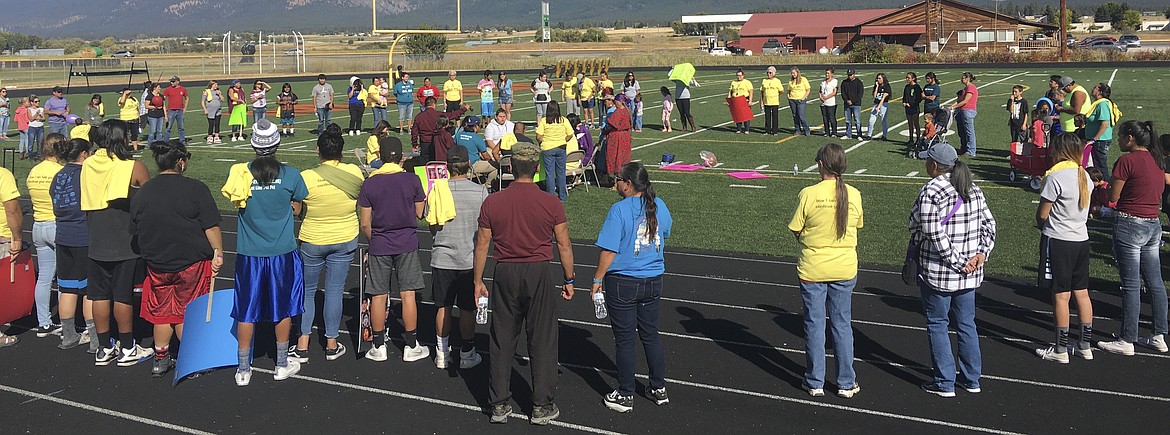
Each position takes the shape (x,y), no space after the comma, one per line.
(630,273)
(269,274)
(404,95)
(478,154)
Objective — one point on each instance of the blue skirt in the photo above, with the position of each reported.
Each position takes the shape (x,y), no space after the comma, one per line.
(269,289)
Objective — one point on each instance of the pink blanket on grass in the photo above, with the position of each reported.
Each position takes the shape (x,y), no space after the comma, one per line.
(748,175)
(681,167)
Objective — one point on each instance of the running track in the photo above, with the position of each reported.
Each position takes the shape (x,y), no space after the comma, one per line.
(732,329)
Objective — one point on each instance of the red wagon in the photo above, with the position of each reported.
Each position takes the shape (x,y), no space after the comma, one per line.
(1029,159)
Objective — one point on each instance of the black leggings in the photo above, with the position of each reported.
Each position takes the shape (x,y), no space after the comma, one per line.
(684,109)
(355,117)
(213,125)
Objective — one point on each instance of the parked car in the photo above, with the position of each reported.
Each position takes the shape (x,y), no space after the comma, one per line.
(735,48)
(1037,37)
(123,53)
(1070,41)
(292,51)
(1131,41)
(1093,39)
(1104,44)
(774,46)
(720,51)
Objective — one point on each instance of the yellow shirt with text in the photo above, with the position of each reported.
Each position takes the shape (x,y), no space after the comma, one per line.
(330,214)
(823,256)
(772,88)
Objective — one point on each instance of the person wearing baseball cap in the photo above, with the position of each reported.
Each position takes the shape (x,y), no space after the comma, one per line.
(852,90)
(479,153)
(1076,102)
(269,272)
(56,109)
(177,101)
(955,233)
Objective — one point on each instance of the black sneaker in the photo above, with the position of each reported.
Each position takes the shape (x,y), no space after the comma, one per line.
(544,414)
(162,366)
(335,353)
(931,388)
(45,331)
(298,355)
(659,396)
(500,412)
(617,402)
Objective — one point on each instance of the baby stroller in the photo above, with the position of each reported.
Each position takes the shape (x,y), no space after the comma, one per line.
(1033,156)
(942,123)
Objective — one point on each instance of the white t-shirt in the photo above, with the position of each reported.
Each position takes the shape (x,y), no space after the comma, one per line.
(495,131)
(541,88)
(827,88)
(32,114)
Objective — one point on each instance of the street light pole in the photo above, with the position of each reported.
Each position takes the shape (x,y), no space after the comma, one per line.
(1063,31)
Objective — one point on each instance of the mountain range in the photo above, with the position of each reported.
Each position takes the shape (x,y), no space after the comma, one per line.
(128,18)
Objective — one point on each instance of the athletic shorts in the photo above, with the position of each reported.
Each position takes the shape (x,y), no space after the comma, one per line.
(72,269)
(588,104)
(165,295)
(451,288)
(1064,265)
(487,108)
(290,119)
(911,111)
(395,273)
(405,111)
(115,280)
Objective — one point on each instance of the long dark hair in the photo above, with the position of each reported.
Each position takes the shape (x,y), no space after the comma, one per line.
(1143,136)
(114,136)
(73,149)
(552,113)
(832,159)
(635,174)
(168,153)
(630,79)
(330,144)
(54,145)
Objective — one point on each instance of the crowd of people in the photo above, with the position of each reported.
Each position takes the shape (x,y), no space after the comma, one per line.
(104,227)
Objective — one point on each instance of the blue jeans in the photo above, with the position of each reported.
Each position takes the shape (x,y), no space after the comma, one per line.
(1101,157)
(743,126)
(882,112)
(633,305)
(1135,244)
(4,125)
(258,113)
(405,111)
(335,260)
(44,235)
(840,312)
(554,172)
(23,145)
(965,120)
(938,306)
(799,121)
(379,114)
(176,118)
(35,136)
(157,127)
(58,127)
(852,121)
(324,116)
(637,122)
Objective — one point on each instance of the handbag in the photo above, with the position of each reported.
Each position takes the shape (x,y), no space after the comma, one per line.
(910,271)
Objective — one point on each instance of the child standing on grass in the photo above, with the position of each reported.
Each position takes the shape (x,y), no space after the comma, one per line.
(638,113)
(259,98)
(21,117)
(287,99)
(1017,108)
(667,107)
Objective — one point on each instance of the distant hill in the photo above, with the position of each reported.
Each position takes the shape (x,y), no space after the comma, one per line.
(127,18)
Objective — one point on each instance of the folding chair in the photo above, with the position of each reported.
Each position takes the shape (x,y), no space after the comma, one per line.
(362,163)
(577,174)
(592,167)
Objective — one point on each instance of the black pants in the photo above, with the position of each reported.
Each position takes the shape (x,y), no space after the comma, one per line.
(771,119)
(684,109)
(452,105)
(523,295)
(355,117)
(213,125)
(829,119)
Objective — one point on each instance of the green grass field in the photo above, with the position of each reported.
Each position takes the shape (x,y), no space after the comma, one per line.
(714,211)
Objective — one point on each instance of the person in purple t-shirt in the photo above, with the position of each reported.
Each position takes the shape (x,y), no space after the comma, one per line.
(56,109)
(392,202)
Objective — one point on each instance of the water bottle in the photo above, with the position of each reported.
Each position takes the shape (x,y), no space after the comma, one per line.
(481,310)
(599,305)
(795,168)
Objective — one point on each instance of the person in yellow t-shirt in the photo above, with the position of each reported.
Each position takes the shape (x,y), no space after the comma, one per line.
(80,131)
(373,150)
(605,85)
(798,89)
(44,230)
(329,239)
(128,111)
(828,215)
(588,87)
(554,133)
(453,92)
(569,97)
(741,88)
(10,221)
(771,88)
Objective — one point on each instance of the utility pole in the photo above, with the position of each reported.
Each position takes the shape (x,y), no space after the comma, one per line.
(1063,31)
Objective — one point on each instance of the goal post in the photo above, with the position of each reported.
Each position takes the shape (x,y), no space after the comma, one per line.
(403,33)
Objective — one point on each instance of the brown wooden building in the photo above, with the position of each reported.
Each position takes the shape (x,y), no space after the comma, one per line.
(947,25)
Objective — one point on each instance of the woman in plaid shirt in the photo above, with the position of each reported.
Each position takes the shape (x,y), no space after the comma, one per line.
(954,233)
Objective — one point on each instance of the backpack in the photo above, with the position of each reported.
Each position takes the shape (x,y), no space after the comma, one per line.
(1114,112)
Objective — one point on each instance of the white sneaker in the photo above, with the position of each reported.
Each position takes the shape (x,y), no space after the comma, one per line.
(1120,347)
(848,393)
(288,371)
(469,359)
(415,353)
(133,355)
(243,378)
(1085,353)
(442,359)
(1157,342)
(814,392)
(1050,354)
(377,353)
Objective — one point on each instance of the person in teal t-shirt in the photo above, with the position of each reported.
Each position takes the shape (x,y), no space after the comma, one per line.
(404,95)
(1099,125)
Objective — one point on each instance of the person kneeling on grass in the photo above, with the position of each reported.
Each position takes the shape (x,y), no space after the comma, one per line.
(176,223)
(269,273)
(392,202)
(452,261)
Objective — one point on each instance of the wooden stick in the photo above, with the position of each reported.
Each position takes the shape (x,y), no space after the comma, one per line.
(210,294)
(11,269)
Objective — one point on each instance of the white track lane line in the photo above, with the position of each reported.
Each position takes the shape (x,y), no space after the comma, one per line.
(433,401)
(106,411)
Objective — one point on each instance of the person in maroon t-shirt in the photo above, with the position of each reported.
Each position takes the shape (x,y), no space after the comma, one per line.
(1139,178)
(520,220)
(177,100)
(422,136)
